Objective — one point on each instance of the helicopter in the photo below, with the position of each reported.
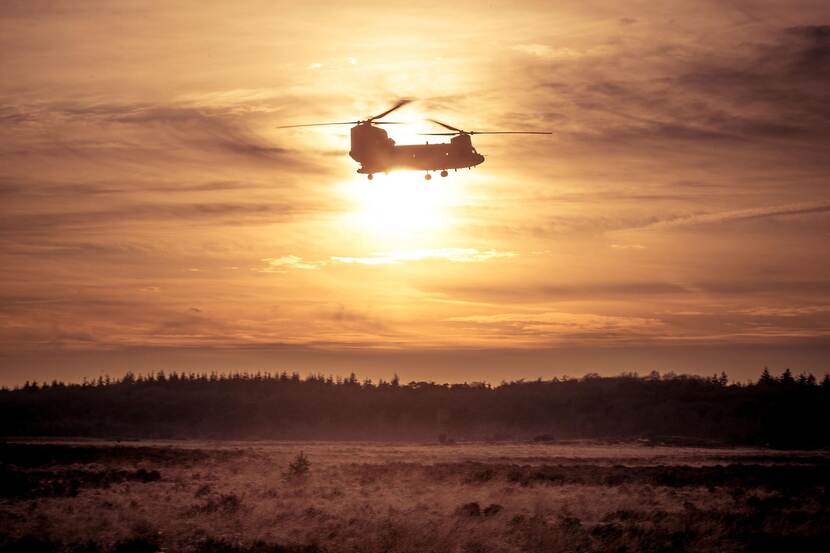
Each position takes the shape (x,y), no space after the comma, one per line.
(377,153)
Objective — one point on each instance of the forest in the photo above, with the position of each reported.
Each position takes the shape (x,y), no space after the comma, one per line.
(784,411)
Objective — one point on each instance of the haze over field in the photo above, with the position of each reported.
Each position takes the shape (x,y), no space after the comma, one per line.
(152,216)
(195,497)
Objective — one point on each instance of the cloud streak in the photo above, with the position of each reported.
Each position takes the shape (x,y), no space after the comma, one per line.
(789,210)
(552,325)
(453,255)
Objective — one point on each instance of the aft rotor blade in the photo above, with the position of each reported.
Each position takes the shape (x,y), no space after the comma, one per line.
(449,127)
(318,124)
(399,105)
(509,132)
(480,132)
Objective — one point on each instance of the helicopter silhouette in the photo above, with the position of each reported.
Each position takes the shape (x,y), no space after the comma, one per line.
(377,153)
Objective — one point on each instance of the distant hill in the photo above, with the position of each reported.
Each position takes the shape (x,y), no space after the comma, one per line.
(784,412)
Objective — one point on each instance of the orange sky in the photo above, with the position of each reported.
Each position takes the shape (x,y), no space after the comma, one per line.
(153,217)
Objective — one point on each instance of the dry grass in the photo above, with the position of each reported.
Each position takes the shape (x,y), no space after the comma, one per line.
(411,498)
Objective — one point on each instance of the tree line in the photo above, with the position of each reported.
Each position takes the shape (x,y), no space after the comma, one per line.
(784,411)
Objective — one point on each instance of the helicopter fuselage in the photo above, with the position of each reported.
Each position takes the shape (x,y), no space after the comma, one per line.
(377,153)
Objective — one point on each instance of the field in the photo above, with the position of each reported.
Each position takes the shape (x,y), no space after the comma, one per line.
(367,497)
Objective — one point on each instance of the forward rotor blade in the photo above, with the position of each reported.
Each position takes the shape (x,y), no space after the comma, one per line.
(439,133)
(318,125)
(449,127)
(389,122)
(399,105)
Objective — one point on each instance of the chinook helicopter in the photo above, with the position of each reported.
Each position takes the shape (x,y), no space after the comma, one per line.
(377,153)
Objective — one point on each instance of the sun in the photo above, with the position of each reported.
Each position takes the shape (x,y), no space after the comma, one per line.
(401,206)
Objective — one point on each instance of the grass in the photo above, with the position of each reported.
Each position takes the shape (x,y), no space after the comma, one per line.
(467,498)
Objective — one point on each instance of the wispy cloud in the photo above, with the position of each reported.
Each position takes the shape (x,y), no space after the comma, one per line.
(282,264)
(554,324)
(802,208)
(768,89)
(453,255)
(547,52)
(121,131)
(797,311)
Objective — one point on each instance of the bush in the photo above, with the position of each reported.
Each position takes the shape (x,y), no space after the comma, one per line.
(298,468)
(470,509)
(492,509)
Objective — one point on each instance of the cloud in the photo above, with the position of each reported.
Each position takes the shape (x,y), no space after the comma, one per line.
(282,264)
(725,289)
(378,260)
(455,255)
(225,213)
(23,188)
(237,100)
(553,324)
(790,311)
(769,89)
(803,208)
(715,326)
(811,51)
(546,52)
(126,131)
(529,293)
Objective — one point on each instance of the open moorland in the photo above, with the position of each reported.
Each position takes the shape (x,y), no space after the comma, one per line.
(210,497)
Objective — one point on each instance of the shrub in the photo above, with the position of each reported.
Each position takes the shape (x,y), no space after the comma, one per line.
(492,509)
(298,468)
(229,503)
(470,509)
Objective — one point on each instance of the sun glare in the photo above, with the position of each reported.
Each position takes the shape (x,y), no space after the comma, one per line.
(401,205)
(401,208)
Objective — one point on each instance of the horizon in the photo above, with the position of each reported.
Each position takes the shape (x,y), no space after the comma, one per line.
(337,378)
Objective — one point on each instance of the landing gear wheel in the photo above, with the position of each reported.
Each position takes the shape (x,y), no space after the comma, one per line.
(427,177)
(371,176)
(444,173)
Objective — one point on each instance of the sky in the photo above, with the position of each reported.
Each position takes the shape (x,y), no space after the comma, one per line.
(153,216)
